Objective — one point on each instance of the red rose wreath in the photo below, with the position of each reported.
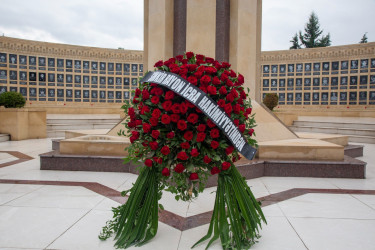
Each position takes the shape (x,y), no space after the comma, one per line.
(180,148)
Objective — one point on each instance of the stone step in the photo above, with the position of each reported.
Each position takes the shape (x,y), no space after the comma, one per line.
(52,127)
(82,121)
(4,137)
(360,125)
(333,130)
(362,135)
(56,134)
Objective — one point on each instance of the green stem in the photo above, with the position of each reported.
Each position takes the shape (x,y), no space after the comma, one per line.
(136,222)
(237,215)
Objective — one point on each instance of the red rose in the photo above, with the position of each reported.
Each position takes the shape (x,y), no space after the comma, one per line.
(181,125)
(205,79)
(207,159)
(158,160)
(165,119)
(234,93)
(145,94)
(167,105)
(225,165)
(170,135)
(229,150)
(169,95)
(192,67)
(154,121)
(229,83)
(155,134)
(176,108)
(215,170)
(223,91)
(241,127)
(182,156)
(184,108)
(236,122)
(131,112)
(175,69)
(137,92)
(248,111)
(157,91)
(135,134)
(165,150)
(179,168)
(146,127)
(224,77)
(165,172)
(225,64)
(194,152)
(201,128)
(199,56)
(189,55)
(155,99)
(148,162)
(156,113)
(185,145)
(210,123)
(131,124)
(158,64)
(175,118)
(135,100)
(216,81)
(214,144)
(203,88)
(192,80)
(192,118)
(230,97)
(193,176)
(138,122)
(240,79)
(251,131)
(232,73)
(212,90)
(132,139)
(221,103)
(188,135)
(153,145)
(210,70)
(145,109)
(228,108)
(214,133)
(201,136)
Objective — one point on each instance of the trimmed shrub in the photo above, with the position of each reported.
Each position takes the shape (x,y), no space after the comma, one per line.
(12,100)
(271,100)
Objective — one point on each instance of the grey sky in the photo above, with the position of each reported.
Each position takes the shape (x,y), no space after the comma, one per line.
(119,23)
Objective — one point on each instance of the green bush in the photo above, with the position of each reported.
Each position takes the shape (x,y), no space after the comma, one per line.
(271,100)
(12,100)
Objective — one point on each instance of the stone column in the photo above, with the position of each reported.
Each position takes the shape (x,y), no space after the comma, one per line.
(245,42)
(228,30)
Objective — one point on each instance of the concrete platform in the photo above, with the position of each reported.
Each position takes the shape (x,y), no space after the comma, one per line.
(347,168)
(76,133)
(97,145)
(332,138)
(301,149)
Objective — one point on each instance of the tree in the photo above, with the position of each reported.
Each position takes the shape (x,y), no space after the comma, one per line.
(312,37)
(364,38)
(294,41)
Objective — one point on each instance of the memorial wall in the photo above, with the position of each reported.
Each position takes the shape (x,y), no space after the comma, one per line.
(51,74)
(338,77)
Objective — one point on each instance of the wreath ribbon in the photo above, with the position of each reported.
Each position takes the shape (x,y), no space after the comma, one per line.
(205,103)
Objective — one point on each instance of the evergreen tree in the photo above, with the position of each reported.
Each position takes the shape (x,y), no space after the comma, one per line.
(364,38)
(312,37)
(294,41)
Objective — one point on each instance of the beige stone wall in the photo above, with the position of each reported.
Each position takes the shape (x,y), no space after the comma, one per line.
(51,86)
(344,83)
(23,123)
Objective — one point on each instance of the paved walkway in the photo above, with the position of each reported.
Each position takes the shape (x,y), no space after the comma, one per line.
(66,210)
